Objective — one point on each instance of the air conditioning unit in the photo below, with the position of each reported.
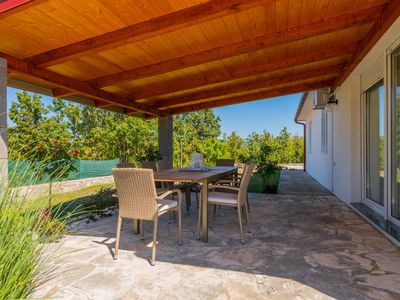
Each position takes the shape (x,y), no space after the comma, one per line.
(320,98)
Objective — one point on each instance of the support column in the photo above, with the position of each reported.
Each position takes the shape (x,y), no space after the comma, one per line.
(166,139)
(3,123)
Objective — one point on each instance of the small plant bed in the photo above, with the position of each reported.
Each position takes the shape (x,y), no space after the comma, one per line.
(94,202)
(272,183)
(256,185)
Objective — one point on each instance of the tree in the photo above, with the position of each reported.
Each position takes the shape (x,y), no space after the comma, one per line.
(191,130)
(41,138)
(103,135)
(235,147)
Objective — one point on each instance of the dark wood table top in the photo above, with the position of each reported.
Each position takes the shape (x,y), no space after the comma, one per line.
(180,175)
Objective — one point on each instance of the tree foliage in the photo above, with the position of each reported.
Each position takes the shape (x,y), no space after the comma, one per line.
(102,135)
(98,134)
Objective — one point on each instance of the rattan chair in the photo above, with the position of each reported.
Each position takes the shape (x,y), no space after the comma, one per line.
(236,199)
(184,187)
(225,162)
(149,165)
(138,200)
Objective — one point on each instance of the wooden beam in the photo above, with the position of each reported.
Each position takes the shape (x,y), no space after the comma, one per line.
(22,67)
(350,19)
(144,30)
(11,7)
(251,97)
(62,92)
(103,104)
(248,86)
(214,76)
(389,15)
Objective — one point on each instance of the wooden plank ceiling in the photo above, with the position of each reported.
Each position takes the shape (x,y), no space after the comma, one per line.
(154,58)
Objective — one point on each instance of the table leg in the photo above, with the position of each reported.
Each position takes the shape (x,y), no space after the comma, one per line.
(136,226)
(204,209)
(187,198)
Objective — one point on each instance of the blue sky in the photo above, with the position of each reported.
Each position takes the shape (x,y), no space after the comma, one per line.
(269,114)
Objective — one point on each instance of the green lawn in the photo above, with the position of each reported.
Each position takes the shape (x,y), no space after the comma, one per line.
(78,194)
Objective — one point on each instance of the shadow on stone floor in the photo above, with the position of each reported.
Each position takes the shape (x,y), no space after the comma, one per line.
(300,245)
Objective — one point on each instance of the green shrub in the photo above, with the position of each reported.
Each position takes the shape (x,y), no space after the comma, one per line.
(267,168)
(26,228)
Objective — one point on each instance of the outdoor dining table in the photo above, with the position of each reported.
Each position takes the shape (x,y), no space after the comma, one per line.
(204,177)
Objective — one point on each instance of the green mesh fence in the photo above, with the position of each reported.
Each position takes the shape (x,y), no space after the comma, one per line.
(85,169)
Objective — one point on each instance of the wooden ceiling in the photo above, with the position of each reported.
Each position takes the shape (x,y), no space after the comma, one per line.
(155,58)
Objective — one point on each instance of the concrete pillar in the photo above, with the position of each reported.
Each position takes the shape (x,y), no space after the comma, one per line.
(3,122)
(166,139)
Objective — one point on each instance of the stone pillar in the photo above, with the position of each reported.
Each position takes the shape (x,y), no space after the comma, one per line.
(3,122)
(166,139)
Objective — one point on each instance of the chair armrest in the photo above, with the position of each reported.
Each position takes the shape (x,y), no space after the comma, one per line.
(161,191)
(226,187)
(227,181)
(170,192)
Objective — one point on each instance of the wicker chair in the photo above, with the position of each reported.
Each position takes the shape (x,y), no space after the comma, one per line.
(225,162)
(237,199)
(149,165)
(185,188)
(138,200)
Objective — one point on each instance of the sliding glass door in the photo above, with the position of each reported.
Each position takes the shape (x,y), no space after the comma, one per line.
(395,157)
(374,146)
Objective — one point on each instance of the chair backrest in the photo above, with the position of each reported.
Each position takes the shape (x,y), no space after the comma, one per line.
(125,165)
(136,193)
(244,182)
(225,162)
(149,165)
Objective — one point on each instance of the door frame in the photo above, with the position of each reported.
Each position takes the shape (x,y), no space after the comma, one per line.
(390,124)
(379,209)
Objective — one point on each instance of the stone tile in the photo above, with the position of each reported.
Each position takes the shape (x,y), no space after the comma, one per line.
(301,247)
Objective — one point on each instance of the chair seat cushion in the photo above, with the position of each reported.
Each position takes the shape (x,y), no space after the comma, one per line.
(166,204)
(222,198)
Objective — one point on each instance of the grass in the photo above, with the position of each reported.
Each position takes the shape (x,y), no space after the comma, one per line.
(91,200)
(82,193)
(25,232)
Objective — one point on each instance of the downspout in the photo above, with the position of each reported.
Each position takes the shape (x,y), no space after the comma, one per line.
(299,108)
(304,144)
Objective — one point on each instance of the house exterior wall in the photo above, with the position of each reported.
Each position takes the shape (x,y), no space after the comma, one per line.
(346,143)
(319,163)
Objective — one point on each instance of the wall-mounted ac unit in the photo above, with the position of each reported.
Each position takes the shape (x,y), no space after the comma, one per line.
(320,98)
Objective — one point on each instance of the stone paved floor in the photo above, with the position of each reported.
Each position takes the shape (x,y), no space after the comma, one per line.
(301,247)
(299,182)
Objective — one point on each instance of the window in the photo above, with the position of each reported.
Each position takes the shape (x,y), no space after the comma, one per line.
(375,130)
(309,136)
(324,131)
(395,103)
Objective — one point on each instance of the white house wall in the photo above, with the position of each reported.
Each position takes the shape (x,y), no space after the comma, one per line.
(347,124)
(318,163)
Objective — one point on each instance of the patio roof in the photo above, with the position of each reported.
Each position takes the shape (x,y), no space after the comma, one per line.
(155,58)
